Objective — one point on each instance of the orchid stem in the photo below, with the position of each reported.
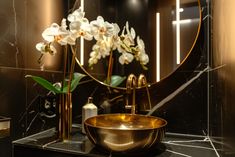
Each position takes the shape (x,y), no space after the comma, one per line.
(65,65)
(71,69)
(110,68)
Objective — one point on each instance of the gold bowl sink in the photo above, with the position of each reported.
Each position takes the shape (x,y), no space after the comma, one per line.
(125,132)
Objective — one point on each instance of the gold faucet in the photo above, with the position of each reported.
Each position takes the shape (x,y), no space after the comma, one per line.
(131,85)
(142,82)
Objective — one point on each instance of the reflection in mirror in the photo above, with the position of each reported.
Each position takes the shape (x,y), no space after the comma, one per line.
(169,29)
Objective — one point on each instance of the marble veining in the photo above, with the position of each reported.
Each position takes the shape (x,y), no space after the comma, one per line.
(173,145)
(12,64)
(177,91)
(196,145)
(15,43)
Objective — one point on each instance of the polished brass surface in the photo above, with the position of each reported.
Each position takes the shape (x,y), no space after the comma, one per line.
(125,132)
(65,116)
(142,82)
(130,86)
(4,127)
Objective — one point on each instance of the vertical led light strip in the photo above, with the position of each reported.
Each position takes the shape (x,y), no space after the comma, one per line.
(82,39)
(177,31)
(158,47)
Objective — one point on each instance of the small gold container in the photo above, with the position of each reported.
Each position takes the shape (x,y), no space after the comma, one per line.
(125,132)
(4,127)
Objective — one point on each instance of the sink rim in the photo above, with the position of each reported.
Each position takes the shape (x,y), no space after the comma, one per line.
(164,122)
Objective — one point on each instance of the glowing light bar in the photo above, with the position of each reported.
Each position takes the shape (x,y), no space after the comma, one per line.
(82,5)
(157,47)
(182,21)
(177,31)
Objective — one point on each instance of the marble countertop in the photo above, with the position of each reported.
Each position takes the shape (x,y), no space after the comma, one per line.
(173,145)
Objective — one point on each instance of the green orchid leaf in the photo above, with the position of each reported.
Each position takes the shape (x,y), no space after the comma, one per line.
(74,83)
(76,79)
(116,80)
(46,84)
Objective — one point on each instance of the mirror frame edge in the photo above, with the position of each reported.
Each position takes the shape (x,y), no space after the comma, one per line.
(149,85)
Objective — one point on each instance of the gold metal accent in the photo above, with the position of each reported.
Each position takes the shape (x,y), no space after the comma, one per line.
(65,116)
(125,132)
(65,105)
(4,127)
(131,85)
(142,82)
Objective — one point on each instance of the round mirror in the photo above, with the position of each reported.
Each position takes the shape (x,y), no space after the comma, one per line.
(168,29)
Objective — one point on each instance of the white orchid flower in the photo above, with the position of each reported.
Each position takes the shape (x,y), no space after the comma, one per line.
(123,47)
(81,29)
(95,54)
(75,26)
(116,29)
(130,32)
(60,34)
(102,47)
(140,44)
(100,50)
(77,15)
(65,36)
(92,61)
(141,55)
(143,58)
(126,58)
(79,25)
(50,33)
(114,41)
(129,38)
(85,31)
(69,38)
(94,57)
(46,48)
(101,28)
(63,26)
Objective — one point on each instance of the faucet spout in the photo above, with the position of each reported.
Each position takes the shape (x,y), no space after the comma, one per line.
(131,85)
(142,82)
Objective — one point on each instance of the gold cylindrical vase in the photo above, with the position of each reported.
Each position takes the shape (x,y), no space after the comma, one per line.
(65,116)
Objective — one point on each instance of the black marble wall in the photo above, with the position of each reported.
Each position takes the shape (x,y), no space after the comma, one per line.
(181,98)
(21,25)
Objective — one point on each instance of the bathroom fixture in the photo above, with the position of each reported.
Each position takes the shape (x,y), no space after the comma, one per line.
(125,133)
(142,82)
(131,86)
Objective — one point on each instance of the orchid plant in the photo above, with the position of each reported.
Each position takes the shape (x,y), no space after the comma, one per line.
(107,39)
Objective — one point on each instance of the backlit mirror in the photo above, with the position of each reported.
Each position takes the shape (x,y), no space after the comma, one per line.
(169,29)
